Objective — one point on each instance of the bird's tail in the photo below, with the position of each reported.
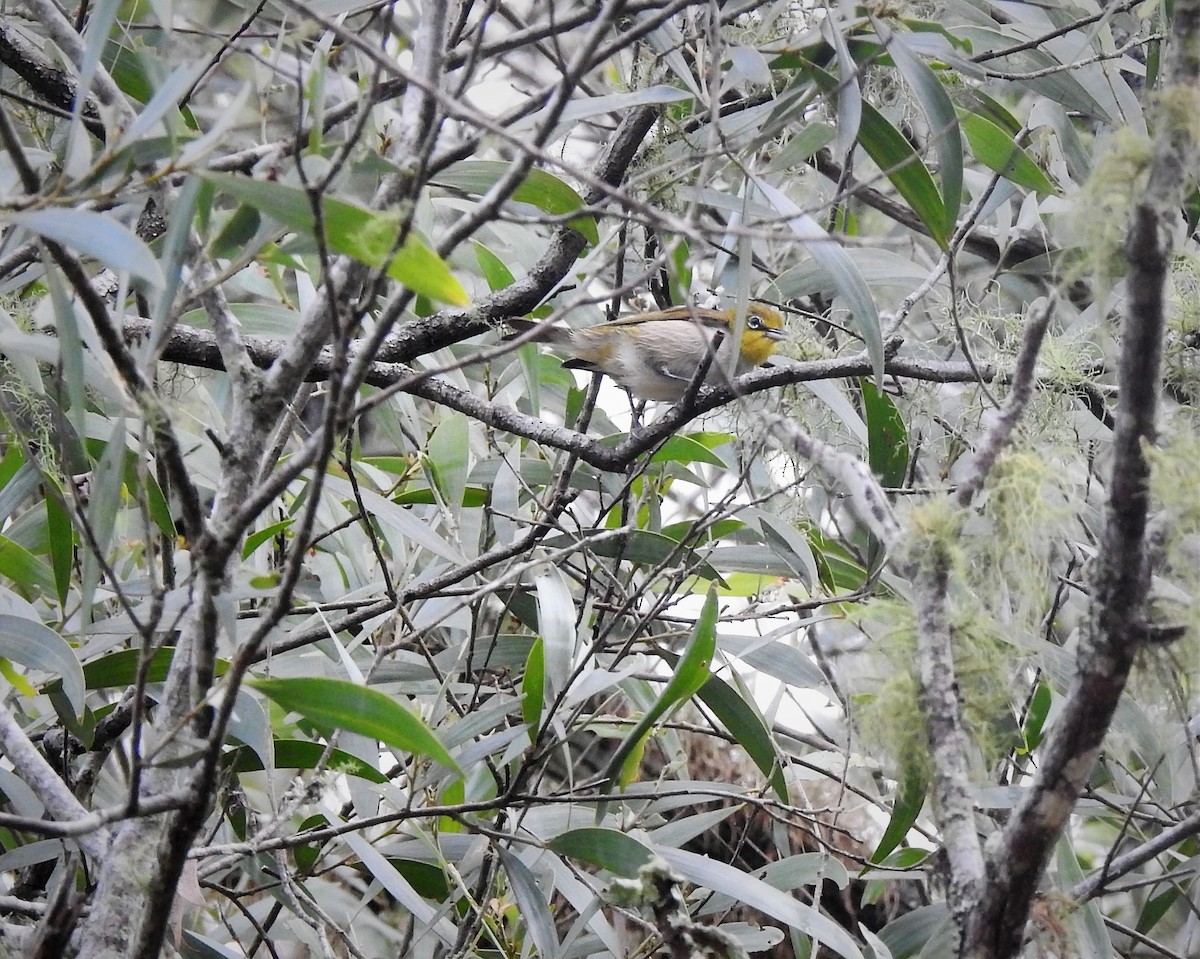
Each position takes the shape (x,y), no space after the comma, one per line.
(533,331)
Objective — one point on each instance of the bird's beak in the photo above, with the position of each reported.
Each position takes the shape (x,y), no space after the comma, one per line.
(775,334)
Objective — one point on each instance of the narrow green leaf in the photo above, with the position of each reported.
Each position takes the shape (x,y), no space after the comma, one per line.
(741,717)
(607,848)
(694,666)
(13,463)
(691,673)
(894,155)
(257,538)
(62,544)
(1155,908)
(700,531)
(998,151)
(533,686)
(942,120)
(16,680)
(494,269)
(1035,716)
(474,497)
(840,572)
(120,668)
(337,704)
(27,572)
(909,801)
(535,911)
(428,879)
(539,188)
(802,146)
(455,794)
(974,101)
(146,485)
(887,436)
(685,449)
(901,864)
(680,272)
(351,229)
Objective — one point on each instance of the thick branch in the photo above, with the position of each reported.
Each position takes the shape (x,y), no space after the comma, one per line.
(1118,623)
(1118,866)
(61,31)
(48,786)
(47,80)
(949,745)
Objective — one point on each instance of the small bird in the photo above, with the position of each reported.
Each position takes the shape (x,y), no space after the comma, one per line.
(655,355)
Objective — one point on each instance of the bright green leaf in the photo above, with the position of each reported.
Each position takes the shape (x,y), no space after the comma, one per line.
(894,155)
(62,544)
(685,449)
(910,799)
(691,673)
(533,687)
(607,848)
(366,235)
(495,271)
(943,123)
(257,538)
(16,680)
(998,151)
(539,188)
(887,436)
(337,704)
(302,754)
(27,572)
(741,717)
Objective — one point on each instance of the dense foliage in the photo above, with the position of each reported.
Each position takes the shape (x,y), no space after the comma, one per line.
(333,622)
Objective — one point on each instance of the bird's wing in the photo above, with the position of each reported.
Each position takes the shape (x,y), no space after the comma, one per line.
(694,315)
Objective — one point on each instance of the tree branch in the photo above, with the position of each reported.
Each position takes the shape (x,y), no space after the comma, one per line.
(1023,381)
(1117,625)
(45,78)
(48,786)
(61,31)
(1119,866)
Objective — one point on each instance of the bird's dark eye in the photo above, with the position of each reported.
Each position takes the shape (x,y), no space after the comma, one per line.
(753,323)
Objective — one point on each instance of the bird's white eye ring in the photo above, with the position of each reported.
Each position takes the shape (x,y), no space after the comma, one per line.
(753,323)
